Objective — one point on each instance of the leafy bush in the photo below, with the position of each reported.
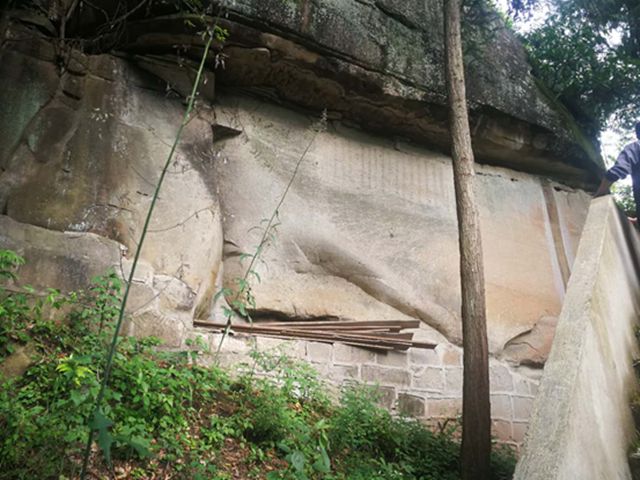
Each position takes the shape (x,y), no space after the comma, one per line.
(623,196)
(21,310)
(9,262)
(167,414)
(364,430)
(152,397)
(268,418)
(375,444)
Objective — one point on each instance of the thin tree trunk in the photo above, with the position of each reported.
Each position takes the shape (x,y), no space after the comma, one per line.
(476,410)
(4,20)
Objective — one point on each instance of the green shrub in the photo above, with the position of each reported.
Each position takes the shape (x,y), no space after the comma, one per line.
(375,444)
(275,421)
(153,398)
(362,430)
(361,425)
(623,196)
(268,417)
(503,462)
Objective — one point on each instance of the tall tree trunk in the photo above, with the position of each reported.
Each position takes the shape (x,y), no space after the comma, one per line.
(4,20)
(476,410)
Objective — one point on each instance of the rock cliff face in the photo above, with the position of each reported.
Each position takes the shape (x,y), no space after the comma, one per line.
(368,229)
(379,63)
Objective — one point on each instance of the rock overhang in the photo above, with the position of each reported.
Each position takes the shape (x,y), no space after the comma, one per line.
(333,257)
(374,63)
(378,64)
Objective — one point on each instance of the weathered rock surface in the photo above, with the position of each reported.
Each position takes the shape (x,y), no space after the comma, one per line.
(81,153)
(368,228)
(376,62)
(17,362)
(380,64)
(64,260)
(532,348)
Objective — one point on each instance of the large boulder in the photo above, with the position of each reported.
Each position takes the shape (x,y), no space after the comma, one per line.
(83,151)
(368,228)
(380,63)
(63,260)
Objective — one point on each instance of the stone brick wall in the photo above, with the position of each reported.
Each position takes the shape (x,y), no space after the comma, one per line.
(426,384)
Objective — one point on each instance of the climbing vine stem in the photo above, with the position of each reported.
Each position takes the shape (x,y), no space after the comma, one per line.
(243,283)
(97,420)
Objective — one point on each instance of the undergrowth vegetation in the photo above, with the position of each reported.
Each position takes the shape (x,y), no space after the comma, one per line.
(172,418)
(623,196)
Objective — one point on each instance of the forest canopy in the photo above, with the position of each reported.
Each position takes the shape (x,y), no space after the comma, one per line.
(588,53)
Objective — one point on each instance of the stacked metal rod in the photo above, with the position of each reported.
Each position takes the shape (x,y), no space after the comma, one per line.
(382,335)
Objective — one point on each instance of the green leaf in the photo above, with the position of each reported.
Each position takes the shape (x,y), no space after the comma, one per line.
(323,464)
(297,460)
(251,301)
(244,256)
(241,307)
(142,446)
(284,447)
(100,423)
(255,274)
(77,397)
(223,292)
